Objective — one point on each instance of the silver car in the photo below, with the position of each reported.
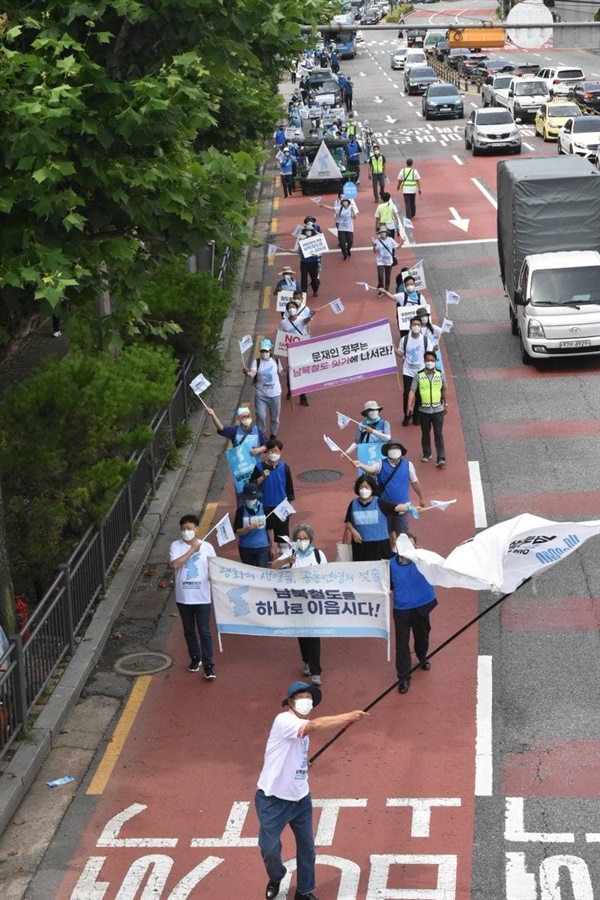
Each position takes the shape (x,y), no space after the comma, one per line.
(492,129)
(398,57)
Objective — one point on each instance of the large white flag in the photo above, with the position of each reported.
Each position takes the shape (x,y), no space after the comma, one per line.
(504,556)
(224,531)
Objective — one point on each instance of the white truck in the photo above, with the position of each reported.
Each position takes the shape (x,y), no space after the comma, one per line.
(548,247)
(495,87)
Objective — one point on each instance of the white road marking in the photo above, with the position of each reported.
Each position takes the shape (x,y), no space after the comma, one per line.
(474,105)
(477,494)
(443,144)
(484,763)
(529,147)
(458,160)
(485,192)
(410,103)
(548,58)
(419,114)
(492,240)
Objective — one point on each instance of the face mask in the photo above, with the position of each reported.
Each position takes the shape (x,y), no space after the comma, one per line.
(376,152)
(424,320)
(292,312)
(373,414)
(365,492)
(303,705)
(394,454)
(274,457)
(430,365)
(415,329)
(303,545)
(265,354)
(246,422)
(251,504)
(188,534)
(410,289)
(345,205)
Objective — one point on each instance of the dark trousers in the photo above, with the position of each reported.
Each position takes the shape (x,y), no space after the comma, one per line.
(273,815)
(310,648)
(378,185)
(255,556)
(303,400)
(347,100)
(410,201)
(397,523)
(309,268)
(354,166)
(437,421)
(384,276)
(408,380)
(195,618)
(405,621)
(287,183)
(345,240)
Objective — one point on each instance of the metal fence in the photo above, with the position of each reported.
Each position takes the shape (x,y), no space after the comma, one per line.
(30,662)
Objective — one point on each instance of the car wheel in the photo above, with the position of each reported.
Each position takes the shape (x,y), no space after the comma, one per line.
(560,149)
(525,357)
(517,150)
(427,117)
(467,144)
(461,115)
(545,136)
(514,325)
(475,150)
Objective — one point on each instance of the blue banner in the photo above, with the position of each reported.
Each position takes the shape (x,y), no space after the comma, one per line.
(241,464)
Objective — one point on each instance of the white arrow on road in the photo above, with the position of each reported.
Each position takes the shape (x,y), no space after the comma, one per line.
(378,99)
(463,224)
(362,74)
(390,120)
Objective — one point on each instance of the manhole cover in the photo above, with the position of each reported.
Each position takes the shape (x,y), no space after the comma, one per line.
(145,663)
(320,475)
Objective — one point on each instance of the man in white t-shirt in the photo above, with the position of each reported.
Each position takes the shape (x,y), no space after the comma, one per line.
(283,796)
(411,350)
(189,559)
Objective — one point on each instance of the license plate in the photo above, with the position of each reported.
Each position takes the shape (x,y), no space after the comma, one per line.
(445,107)
(532,110)
(565,344)
(500,144)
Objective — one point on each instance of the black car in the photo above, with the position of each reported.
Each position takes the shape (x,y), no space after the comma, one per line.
(455,55)
(467,65)
(492,67)
(586,93)
(415,37)
(418,79)
(526,69)
(371,17)
(441,101)
(442,49)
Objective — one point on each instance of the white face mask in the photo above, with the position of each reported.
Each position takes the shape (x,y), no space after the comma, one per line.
(394,454)
(416,329)
(265,354)
(424,320)
(430,365)
(292,312)
(373,414)
(273,457)
(251,504)
(246,422)
(303,705)
(303,544)
(188,534)
(410,288)
(365,492)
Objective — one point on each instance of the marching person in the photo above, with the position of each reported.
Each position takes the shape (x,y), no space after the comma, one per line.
(242,433)
(373,428)
(366,136)
(309,266)
(377,172)
(409,181)
(265,372)
(305,554)
(189,559)
(430,385)
(384,247)
(414,598)
(287,281)
(283,796)
(274,477)
(345,227)
(296,320)
(411,350)
(406,297)
(366,520)
(250,527)
(387,214)
(286,171)
(353,151)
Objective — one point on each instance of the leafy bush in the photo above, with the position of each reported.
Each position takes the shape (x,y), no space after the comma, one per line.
(396,14)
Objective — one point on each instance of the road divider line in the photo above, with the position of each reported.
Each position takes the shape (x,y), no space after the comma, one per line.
(274,224)
(485,192)
(484,762)
(121,732)
(457,160)
(266,297)
(276,203)
(207,517)
(479,513)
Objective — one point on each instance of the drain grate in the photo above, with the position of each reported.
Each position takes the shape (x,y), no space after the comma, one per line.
(144,663)
(320,475)
(154,577)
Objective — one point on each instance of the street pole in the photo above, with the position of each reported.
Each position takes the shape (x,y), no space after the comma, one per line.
(8,618)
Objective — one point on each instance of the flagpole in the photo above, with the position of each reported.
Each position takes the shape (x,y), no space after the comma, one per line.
(417,667)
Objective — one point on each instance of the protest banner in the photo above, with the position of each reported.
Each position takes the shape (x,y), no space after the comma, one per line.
(283,339)
(284,297)
(405,313)
(314,245)
(365,351)
(330,600)
(241,464)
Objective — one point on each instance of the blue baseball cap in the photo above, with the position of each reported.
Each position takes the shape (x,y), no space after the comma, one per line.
(299,687)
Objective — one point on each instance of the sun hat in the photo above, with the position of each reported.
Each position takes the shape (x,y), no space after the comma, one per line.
(299,687)
(371,404)
(393,443)
(287,270)
(265,344)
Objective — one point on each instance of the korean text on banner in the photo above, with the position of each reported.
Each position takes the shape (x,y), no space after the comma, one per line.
(313,246)
(331,600)
(365,351)
(283,339)
(241,465)
(284,297)
(418,273)
(405,313)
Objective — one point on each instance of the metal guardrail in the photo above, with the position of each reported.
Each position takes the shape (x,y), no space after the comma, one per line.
(50,635)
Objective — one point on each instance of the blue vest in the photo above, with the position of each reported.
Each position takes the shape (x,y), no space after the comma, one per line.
(369,521)
(409,587)
(258,536)
(251,438)
(363,437)
(286,165)
(396,490)
(273,487)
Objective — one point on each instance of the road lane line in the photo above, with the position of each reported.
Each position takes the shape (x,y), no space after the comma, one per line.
(484,767)
(485,192)
(477,495)
(267,296)
(458,160)
(121,732)
(276,202)
(369,247)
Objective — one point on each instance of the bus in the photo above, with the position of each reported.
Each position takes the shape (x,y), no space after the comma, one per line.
(344,38)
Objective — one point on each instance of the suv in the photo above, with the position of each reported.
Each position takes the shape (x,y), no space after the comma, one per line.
(398,57)
(526,96)
(561,78)
(492,129)
(325,88)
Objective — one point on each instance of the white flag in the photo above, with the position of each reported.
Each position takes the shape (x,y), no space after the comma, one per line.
(283,510)
(224,531)
(316,199)
(504,556)
(442,504)
(246,343)
(363,284)
(337,305)
(447,325)
(331,444)
(271,250)
(451,297)
(408,223)
(343,420)
(199,384)
(418,273)
(298,230)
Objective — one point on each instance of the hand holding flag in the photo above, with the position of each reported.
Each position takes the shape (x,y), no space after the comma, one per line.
(333,446)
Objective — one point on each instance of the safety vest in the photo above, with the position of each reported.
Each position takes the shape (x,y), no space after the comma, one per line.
(377,163)
(394,481)
(430,389)
(351,129)
(409,182)
(385,211)
(368,520)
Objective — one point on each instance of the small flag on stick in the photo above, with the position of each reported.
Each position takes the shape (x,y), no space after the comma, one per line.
(337,306)
(284,509)
(224,531)
(363,284)
(447,325)
(271,250)
(245,344)
(440,504)
(451,298)
(343,420)
(198,385)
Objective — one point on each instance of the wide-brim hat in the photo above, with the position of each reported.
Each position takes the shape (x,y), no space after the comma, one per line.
(287,270)
(393,443)
(300,687)
(371,404)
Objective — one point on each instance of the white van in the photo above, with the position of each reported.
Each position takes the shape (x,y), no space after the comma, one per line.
(526,96)
(415,58)
(556,308)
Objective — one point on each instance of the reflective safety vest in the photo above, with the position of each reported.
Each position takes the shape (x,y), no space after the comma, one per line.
(409,182)
(377,164)
(351,129)
(385,211)
(430,389)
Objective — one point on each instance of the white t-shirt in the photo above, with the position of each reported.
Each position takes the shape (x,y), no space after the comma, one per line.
(267,377)
(414,355)
(191,580)
(285,767)
(384,247)
(309,560)
(299,325)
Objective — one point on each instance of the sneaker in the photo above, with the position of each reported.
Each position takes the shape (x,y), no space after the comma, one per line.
(441,463)
(406,421)
(425,458)
(305,669)
(195,664)
(209,673)
(316,679)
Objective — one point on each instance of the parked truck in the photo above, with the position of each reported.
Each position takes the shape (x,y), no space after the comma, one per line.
(548,247)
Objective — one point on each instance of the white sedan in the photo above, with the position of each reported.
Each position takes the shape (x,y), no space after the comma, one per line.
(580,136)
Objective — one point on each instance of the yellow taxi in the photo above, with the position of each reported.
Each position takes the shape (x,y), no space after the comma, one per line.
(550,118)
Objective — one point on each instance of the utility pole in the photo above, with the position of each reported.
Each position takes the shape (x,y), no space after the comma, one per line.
(8,618)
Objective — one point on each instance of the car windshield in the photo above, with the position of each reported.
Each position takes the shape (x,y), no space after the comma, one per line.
(529,88)
(503,82)
(442,90)
(402,52)
(323,85)
(501,117)
(496,63)
(585,123)
(564,111)
(424,72)
(562,287)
